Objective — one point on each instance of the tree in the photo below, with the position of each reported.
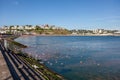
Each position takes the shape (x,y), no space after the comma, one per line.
(10,29)
(5,27)
(37,27)
(17,27)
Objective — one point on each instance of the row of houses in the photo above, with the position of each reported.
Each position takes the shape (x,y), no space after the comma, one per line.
(103,31)
(46,26)
(17,28)
(96,31)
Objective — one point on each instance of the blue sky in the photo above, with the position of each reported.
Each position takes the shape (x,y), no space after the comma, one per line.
(71,14)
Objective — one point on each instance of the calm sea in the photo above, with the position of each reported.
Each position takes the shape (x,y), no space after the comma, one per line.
(77,57)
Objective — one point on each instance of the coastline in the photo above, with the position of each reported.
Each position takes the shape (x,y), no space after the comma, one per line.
(60,35)
(44,66)
(71,35)
(43,70)
(47,67)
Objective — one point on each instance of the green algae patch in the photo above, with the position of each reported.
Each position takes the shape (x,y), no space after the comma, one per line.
(16,43)
(41,68)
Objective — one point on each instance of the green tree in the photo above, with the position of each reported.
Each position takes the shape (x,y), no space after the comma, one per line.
(37,27)
(10,29)
(17,27)
(5,27)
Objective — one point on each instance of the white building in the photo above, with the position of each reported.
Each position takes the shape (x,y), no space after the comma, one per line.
(98,31)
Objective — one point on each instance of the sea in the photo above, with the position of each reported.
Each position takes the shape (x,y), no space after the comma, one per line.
(77,57)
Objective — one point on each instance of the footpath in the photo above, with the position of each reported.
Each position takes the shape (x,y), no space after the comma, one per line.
(4,71)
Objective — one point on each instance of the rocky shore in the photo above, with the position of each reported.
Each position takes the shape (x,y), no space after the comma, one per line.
(20,66)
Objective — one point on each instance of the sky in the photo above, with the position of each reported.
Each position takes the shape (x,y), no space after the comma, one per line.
(70,14)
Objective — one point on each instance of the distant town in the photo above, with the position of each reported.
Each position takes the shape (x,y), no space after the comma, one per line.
(54,30)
